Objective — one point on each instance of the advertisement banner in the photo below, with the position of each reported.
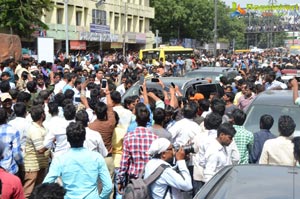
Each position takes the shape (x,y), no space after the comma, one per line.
(77,45)
(99,28)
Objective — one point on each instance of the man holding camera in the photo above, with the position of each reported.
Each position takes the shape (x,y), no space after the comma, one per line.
(171,182)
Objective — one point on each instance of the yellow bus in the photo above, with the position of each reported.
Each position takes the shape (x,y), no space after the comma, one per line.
(242,51)
(169,53)
(295,50)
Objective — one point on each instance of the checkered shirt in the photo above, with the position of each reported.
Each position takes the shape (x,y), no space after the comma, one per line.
(244,141)
(135,148)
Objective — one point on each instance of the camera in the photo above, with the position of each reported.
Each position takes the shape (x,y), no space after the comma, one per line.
(187,148)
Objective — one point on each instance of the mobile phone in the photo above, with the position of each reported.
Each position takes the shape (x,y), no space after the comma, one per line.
(77,99)
(103,83)
(154,80)
(141,89)
(173,84)
(166,88)
(298,79)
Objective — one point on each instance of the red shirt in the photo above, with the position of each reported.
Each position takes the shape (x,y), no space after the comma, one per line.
(11,186)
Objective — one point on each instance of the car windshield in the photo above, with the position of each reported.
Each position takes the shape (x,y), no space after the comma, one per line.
(258,182)
(204,74)
(257,110)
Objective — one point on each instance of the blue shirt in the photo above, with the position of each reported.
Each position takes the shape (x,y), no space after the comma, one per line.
(80,169)
(259,139)
(11,74)
(66,87)
(133,123)
(13,154)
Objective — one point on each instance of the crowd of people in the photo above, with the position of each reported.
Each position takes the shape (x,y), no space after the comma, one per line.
(65,132)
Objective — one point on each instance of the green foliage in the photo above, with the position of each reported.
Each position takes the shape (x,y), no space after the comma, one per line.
(195,19)
(22,17)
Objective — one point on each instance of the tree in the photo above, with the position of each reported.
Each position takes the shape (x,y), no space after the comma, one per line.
(194,19)
(22,17)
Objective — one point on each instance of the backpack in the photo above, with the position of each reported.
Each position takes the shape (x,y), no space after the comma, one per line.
(138,188)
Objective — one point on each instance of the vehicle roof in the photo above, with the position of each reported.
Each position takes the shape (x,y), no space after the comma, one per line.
(275,98)
(243,181)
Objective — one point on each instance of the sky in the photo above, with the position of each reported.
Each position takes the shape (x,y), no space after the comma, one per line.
(243,3)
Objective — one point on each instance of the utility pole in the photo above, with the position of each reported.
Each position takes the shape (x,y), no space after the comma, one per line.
(67,28)
(124,30)
(215,31)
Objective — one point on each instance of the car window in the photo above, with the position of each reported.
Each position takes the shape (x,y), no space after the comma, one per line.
(256,111)
(258,182)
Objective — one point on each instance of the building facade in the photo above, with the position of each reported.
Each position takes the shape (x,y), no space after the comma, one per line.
(103,24)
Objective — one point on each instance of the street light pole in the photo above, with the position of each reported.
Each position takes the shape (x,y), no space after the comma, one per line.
(215,32)
(66,28)
(124,30)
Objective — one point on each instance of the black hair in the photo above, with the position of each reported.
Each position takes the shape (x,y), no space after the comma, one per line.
(227,129)
(31,86)
(218,106)
(190,110)
(101,111)
(239,117)
(116,97)
(212,121)
(13,93)
(37,101)
(44,94)
(142,114)
(3,116)
(128,100)
(266,122)
(230,95)
(48,191)
(36,112)
(296,141)
(76,134)
(5,73)
(53,108)
(69,111)
(91,85)
(286,125)
(20,109)
(204,104)
(159,116)
(83,117)
(117,118)
(69,94)
(23,97)
(78,81)
(59,98)
(4,86)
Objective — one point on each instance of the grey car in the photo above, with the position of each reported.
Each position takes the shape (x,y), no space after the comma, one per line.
(186,85)
(214,73)
(253,182)
(274,103)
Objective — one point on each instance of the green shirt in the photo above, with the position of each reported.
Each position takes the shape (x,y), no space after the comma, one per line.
(244,141)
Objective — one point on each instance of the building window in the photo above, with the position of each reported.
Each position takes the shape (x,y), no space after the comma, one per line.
(60,15)
(129,25)
(117,19)
(78,18)
(99,17)
(141,26)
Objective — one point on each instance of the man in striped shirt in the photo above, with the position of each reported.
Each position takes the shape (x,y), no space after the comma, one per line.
(36,157)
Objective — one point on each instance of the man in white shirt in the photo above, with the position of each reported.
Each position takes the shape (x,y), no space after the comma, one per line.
(280,150)
(184,130)
(20,123)
(272,83)
(56,128)
(125,86)
(170,183)
(217,154)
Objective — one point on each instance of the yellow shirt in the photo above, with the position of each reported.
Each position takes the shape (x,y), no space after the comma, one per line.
(34,161)
(117,144)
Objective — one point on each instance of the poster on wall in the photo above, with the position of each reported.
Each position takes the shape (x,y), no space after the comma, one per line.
(45,49)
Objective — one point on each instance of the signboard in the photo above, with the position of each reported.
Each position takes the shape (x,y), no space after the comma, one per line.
(45,49)
(116,45)
(99,28)
(140,38)
(77,45)
(102,37)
